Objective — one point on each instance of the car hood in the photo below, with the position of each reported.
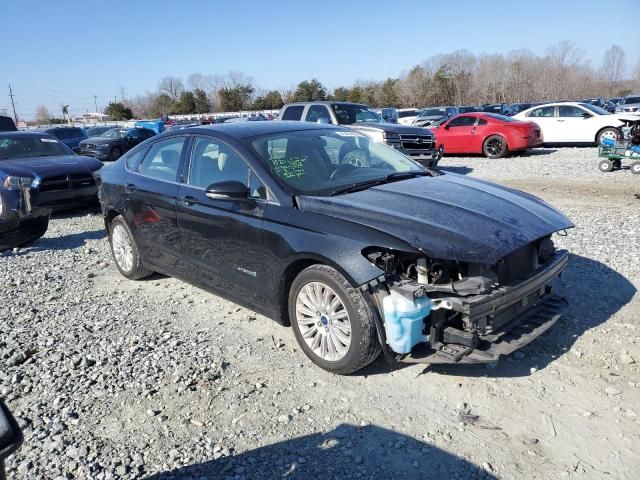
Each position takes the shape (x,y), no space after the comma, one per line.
(391,128)
(94,140)
(448,217)
(47,166)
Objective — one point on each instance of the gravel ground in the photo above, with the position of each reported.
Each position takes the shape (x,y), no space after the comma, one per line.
(118,379)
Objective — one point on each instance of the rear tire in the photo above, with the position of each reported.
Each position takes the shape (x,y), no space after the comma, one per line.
(635,167)
(495,146)
(605,165)
(322,331)
(125,251)
(609,132)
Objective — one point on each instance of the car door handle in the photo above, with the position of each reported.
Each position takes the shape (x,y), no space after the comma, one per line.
(188,200)
(130,188)
(560,120)
(473,130)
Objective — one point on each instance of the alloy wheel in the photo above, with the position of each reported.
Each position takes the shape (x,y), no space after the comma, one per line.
(494,146)
(323,321)
(122,249)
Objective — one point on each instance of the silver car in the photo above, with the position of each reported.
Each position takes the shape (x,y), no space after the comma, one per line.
(629,104)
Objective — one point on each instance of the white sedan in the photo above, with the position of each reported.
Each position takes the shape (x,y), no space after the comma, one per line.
(575,122)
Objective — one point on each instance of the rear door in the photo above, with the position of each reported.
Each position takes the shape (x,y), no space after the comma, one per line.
(222,239)
(150,190)
(546,120)
(459,133)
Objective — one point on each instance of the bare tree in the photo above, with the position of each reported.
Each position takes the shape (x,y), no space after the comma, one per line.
(42,114)
(172,86)
(613,65)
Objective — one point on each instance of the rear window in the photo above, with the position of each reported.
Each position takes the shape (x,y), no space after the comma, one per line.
(407,113)
(293,113)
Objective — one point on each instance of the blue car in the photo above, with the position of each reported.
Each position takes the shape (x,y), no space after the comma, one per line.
(70,136)
(39,174)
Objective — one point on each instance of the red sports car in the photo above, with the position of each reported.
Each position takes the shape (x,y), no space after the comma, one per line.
(491,134)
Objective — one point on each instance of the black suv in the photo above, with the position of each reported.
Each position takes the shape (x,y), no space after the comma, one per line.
(113,143)
(415,142)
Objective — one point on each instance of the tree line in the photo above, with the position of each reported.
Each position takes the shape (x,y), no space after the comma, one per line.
(457,78)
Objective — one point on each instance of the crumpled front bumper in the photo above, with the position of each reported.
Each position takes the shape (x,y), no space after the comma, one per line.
(496,324)
(21,223)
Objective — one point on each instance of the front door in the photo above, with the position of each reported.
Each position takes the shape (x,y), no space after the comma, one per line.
(460,131)
(151,191)
(222,239)
(572,126)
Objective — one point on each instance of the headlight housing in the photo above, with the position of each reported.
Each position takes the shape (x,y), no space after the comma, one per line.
(391,136)
(102,145)
(16,183)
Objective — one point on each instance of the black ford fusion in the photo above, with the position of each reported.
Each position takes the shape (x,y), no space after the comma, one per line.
(356,246)
(39,174)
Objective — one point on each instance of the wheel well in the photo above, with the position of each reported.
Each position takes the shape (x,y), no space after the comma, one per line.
(604,128)
(290,273)
(108,218)
(504,139)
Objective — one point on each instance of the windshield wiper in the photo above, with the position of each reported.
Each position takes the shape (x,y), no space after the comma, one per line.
(392,177)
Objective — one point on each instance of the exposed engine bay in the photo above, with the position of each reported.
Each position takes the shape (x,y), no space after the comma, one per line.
(470,308)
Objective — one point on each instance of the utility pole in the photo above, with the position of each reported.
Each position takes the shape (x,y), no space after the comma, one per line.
(15,115)
(122,94)
(95,102)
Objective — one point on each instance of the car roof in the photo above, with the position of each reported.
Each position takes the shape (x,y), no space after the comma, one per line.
(31,133)
(251,129)
(326,102)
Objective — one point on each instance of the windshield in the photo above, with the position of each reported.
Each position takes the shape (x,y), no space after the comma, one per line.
(114,133)
(31,146)
(594,109)
(349,114)
(323,162)
(433,112)
(632,100)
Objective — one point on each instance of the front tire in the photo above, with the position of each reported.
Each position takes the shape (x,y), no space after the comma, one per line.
(332,321)
(125,251)
(609,132)
(115,153)
(495,147)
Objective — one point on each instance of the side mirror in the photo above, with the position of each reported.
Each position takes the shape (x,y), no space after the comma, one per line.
(10,435)
(586,115)
(446,126)
(230,190)
(323,121)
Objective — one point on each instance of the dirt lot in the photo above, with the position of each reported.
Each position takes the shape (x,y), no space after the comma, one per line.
(120,379)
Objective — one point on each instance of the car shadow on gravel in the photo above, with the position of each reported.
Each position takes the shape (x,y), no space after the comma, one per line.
(67,242)
(595,293)
(346,452)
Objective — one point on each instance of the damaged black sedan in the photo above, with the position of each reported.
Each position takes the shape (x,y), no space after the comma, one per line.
(356,246)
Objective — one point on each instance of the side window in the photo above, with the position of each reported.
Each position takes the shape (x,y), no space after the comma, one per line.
(132,160)
(464,121)
(569,111)
(163,159)
(482,121)
(256,187)
(134,134)
(293,113)
(76,132)
(316,112)
(543,112)
(212,161)
(60,133)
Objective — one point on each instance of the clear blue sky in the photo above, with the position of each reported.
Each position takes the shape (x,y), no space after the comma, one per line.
(69,50)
